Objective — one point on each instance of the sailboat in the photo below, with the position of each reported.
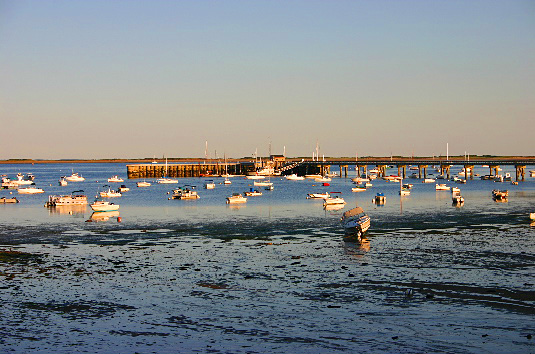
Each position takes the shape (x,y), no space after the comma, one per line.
(403,191)
(165,179)
(226,175)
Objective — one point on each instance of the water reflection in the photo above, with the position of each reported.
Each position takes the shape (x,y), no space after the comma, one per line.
(236,206)
(356,247)
(331,207)
(67,210)
(104,216)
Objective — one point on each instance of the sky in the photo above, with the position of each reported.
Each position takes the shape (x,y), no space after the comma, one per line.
(136,79)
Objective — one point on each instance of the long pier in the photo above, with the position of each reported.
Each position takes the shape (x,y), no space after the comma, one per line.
(199,169)
(302,166)
(423,164)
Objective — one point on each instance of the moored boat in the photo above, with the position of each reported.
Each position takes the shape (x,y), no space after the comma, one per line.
(324,195)
(209,184)
(5,200)
(143,184)
(103,205)
(123,188)
(442,187)
(186,192)
(72,199)
(262,183)
(164,180)
(75,177)
(334,199)
(236,198)
(358,189)
(355,222)
(30,190)
(457,199)
(294,177)
(115,178)
(500,194)
(379,198)
(110,193)
(253,193)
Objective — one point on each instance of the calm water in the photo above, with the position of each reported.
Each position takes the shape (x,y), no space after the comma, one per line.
(272,276)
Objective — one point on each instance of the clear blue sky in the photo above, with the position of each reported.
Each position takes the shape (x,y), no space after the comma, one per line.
(96,79)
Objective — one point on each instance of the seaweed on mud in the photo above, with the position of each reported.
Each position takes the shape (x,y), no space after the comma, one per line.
(18,257)
(78,309)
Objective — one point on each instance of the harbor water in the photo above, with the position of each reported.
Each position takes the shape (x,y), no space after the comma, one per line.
(271,276)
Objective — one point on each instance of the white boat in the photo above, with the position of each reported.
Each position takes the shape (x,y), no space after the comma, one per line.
(455,190)
(255,177)
(355,222)
(236,198)
(324,195)
(253,193)
(75,177)
(332,200)
(368,184)
(8,184)
(143,184)
(428,180)
(72,199)
(123,188)
(102,205)
(227,181)
(110,193)
(323,179)
(403,191)
(185,193)
(392,178)
(313,176)
(209,184)
(263,184)
(62,182)
(115,179)
(21,180)
(30,190)
(358,189)
(165,179)
(442,187)
(532,216)
(294,177)
(360,179)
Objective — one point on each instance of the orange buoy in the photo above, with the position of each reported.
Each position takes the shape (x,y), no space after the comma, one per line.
(119,219)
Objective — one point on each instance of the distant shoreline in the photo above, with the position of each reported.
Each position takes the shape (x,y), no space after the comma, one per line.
(229,160)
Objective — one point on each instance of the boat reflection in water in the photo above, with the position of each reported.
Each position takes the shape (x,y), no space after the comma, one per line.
(356,247)
(78,209)
(331,207)
(236,206)
(103,216)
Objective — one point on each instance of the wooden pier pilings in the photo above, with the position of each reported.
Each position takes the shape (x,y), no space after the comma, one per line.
(187,170)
